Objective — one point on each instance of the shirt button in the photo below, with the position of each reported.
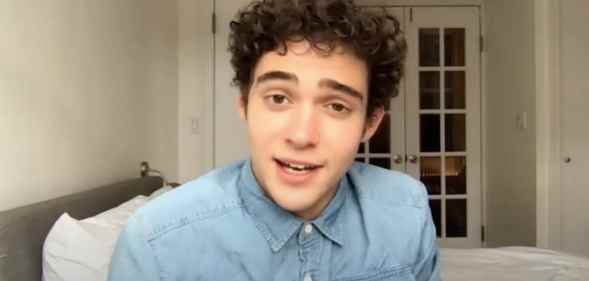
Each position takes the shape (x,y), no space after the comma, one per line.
(308,230)
(307,277)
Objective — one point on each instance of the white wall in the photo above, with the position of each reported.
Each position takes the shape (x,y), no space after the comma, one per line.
(195,62)
(510,152)
(88,89)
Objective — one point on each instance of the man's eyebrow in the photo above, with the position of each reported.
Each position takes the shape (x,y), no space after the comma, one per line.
(337,86)
(277,75)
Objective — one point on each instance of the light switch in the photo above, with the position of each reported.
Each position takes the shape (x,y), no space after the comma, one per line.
(521,120)
(195,125)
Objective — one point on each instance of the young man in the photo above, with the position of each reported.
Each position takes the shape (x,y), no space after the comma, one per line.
(314,78)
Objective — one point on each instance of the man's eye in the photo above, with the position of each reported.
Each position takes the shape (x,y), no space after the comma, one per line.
(278,99)
(338,107)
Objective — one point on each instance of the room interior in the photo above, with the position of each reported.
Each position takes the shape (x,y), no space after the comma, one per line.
(90,89)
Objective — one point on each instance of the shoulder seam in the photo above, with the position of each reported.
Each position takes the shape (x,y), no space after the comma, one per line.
(160,230)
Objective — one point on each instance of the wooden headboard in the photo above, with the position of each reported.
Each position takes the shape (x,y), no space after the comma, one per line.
(23,230)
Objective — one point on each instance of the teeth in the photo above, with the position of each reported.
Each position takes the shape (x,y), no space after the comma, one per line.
(300,167)
(297,167)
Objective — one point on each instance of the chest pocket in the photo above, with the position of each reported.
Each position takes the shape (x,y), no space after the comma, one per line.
(393,274)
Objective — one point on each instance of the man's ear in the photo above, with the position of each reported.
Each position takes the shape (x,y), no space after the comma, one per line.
(372,123)
(242,107)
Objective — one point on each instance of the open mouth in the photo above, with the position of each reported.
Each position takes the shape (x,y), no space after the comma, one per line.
(296,167)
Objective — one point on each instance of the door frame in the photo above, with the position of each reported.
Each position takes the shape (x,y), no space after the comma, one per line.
(548,154)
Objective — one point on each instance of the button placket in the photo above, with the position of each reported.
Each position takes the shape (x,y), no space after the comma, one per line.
(310,245)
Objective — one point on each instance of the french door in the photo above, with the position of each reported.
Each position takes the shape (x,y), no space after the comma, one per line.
(432,128)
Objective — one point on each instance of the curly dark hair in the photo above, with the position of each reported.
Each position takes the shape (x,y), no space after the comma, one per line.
(268,25)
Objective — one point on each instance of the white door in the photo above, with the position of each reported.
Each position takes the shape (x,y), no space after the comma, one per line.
(574,131)
(432,129)
(443,117)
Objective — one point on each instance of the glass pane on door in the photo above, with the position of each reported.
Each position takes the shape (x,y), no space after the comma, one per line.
(377,150)
(430,132)
(429,47)
(381,140)
(431,174)
(454,46)
(455,90)
(429,90)
(455,132)
(455,175)
(384,163)
(456,214)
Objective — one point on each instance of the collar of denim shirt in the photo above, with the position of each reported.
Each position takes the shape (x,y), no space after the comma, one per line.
(278,225)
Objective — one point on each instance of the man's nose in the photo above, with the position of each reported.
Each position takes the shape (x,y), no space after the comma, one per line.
(303,131)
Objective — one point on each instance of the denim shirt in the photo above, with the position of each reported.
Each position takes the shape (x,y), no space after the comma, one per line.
(222,226)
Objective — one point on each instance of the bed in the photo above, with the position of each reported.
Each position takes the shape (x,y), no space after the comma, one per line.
(512,264)
(23,230)
(71,238)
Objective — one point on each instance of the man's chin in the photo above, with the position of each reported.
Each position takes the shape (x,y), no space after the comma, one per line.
(295,207)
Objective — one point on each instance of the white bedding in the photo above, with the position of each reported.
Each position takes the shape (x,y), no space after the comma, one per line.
(512,264)
(81,249)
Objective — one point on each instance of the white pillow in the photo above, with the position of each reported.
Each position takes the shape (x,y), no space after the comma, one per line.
(117,217)
(82,249)
(76,250)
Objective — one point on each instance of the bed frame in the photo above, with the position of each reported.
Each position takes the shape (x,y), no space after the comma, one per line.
(23,230)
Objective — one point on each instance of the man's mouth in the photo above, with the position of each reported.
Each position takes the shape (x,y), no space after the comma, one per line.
(297,166)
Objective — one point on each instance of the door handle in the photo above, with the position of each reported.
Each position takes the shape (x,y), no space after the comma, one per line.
(412,158)
(398,159)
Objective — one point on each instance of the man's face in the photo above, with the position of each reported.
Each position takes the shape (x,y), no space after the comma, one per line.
(306,116)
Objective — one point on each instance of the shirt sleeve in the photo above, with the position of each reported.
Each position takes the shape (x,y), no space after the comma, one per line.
(133,257)
(427,268)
